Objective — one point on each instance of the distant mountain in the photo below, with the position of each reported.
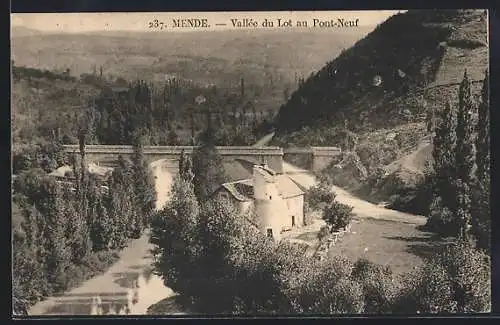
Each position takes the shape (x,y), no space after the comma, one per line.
(218,57)
(21,31)
(409,64)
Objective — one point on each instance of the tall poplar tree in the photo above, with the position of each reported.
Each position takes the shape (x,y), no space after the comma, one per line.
(483,135)
(481,213)
(207,168)
(465,132)
(465,157)
(144,187)
(444,145)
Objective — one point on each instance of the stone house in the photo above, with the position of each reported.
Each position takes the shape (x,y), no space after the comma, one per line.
(273,202)
(64,175)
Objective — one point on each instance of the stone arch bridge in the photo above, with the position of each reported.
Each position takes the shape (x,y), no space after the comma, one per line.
(318,157)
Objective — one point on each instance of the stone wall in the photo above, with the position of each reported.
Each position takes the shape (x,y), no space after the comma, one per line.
(108,155)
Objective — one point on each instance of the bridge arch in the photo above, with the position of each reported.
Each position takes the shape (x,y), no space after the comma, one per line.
(273,156)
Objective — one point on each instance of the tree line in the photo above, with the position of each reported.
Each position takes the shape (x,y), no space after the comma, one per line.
(166,113)
(175,113)
(64,234)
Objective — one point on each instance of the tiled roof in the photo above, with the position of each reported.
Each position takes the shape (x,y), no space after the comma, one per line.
(266,173)
(243,190)
(286,187)
(235,188)
(93,169)
(61,171)
(99,170)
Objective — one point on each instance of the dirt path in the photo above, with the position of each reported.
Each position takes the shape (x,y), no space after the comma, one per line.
(264,140)
(117,287)
(383,236)
(361,208)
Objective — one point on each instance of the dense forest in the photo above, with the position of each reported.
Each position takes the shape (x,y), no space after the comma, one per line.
(67,232)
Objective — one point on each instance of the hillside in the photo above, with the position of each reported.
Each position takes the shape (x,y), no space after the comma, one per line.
(21,31)
(382,90)
(408,64)
(270,61)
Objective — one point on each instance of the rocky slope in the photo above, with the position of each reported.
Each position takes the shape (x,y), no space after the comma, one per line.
(409,64)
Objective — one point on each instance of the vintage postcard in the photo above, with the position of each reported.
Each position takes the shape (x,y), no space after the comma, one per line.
(250,163)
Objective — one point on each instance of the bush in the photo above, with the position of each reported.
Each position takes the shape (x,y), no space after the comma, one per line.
(93,265)
(317,291)
(411,200)
(378,286)
(346,298)
(337,215)
(458,280)
(470,272)
(323,233)
(441,219)
(318,196)
(435,292)
(47,156)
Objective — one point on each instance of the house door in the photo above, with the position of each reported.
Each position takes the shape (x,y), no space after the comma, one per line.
(269,233)
(293,221)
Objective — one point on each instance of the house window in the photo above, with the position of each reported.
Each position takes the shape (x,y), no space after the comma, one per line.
(293,221)
(270,198)
(269,233)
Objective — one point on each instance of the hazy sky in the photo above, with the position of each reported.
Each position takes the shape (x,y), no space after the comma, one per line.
(82,22)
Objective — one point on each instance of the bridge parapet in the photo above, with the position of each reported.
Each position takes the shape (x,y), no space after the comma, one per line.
(298,151)
(326,151)
(317,157)
(223,150)
(324,156)
(273,156)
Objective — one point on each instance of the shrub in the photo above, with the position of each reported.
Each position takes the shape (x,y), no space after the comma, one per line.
(47,156)
(415,200)
(441,219)
(379,290)
(323,233)
(433,292)
(337,215)
(458,280)
(318,196)
(469,270)
(346,297)
(338,266)
(314,288)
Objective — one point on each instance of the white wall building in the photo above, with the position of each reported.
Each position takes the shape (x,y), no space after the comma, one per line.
(275,201)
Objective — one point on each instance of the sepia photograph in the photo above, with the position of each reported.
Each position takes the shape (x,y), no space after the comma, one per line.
(280,163)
